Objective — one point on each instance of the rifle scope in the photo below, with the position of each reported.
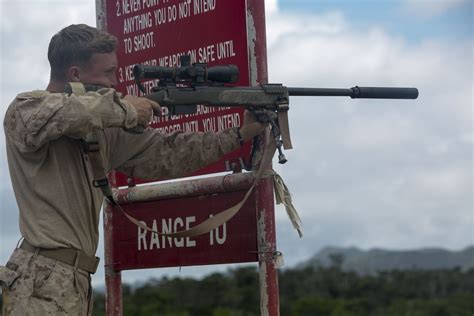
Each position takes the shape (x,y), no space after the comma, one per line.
(197,73)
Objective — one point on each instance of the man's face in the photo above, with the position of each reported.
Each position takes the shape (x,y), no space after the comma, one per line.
(101,70)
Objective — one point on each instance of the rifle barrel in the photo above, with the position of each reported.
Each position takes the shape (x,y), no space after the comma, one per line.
(358,92)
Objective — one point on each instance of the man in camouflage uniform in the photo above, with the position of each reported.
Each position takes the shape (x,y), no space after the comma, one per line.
(51,173)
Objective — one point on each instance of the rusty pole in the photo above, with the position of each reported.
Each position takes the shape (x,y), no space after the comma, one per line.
(265,208)
(113,279)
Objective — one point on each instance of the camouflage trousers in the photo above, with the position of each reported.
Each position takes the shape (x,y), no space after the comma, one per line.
(37,285)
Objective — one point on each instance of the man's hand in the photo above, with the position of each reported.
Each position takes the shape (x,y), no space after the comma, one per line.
(144,108)
(251,127)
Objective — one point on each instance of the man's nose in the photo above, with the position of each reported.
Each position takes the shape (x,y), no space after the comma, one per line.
(114,82)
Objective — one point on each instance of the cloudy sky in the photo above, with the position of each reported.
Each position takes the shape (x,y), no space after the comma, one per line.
(366,173)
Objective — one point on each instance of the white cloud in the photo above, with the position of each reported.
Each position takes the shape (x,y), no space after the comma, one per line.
(26,28)
(394,174)
(271,7)
(430,8)
(375,173)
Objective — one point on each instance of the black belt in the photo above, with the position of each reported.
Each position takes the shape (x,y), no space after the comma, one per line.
(72,257)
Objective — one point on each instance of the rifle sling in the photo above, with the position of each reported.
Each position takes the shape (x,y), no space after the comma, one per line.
(100,179)
(218,219)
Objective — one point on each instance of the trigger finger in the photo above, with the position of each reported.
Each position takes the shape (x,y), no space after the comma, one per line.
(156,107)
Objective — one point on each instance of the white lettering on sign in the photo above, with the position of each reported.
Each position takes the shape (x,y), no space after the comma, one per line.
(143,41)
(220,234)
(170,61)
(137,23)
(132,89)
(184,9)
(169,225)
(127,44)
(165,12)
(203,6)
(201,109)
(189,126)
(191,243)
(206,54)
(228,121)
(169,128)
(209,124)
(148,240)
(129,73)
(150,3)
(128,70)
(218,51)
(172,13)
(225,50)
(178,225)
(160,16)
(130,6)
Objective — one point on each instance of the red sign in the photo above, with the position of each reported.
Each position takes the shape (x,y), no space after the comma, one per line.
(234,241)
(158,32)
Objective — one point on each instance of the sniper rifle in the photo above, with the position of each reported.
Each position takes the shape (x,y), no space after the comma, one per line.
(181,89)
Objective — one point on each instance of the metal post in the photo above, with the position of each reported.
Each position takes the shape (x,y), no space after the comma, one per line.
(113,279)
(268,273)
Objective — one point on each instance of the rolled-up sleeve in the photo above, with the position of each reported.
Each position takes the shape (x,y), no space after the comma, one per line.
(156,155)
(37,117)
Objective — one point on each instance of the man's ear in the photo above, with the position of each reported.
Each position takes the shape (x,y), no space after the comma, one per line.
(73,74)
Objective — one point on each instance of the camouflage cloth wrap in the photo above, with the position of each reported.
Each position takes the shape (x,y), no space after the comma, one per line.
(36,285)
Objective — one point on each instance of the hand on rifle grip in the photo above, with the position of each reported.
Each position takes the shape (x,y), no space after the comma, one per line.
(251,126)
(145,108)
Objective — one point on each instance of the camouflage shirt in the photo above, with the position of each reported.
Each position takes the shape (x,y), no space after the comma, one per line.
(51,174)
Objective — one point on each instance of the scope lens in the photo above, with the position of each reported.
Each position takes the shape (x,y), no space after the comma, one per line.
(224,73)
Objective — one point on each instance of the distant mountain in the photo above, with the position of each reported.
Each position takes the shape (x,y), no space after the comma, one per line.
(374,260)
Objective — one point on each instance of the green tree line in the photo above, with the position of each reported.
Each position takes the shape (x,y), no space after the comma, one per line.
(310,291)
